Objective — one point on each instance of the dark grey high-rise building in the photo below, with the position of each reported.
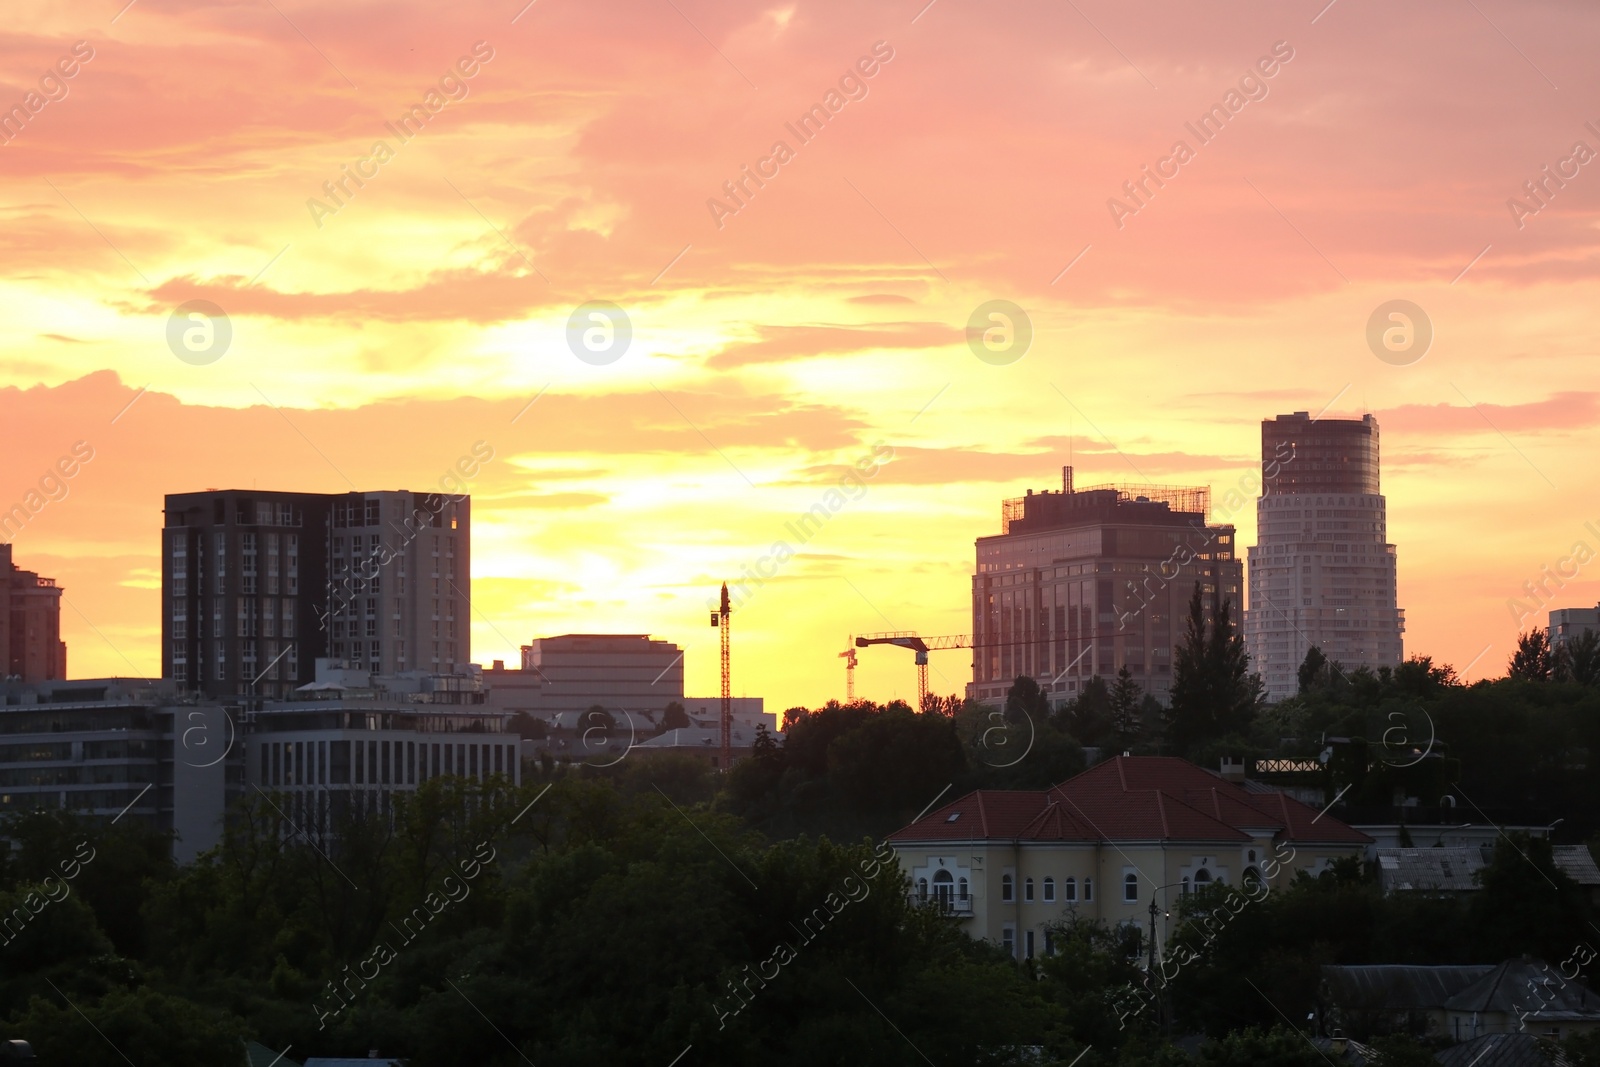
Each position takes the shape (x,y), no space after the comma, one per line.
(1323,572)
(257,585)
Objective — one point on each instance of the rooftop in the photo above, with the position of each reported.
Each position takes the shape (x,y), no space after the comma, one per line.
(1131,798)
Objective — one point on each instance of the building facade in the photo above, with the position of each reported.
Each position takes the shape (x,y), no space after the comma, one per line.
(348,743)
(1083,582)
(1568,623)
(30,624)
(125,748)
(256,586)
(1008,864)
(1323,572)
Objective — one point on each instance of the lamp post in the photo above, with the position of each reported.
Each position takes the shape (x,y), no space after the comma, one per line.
(1155,988)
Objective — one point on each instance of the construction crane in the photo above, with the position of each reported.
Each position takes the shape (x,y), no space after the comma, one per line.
(719,619)
(849,656)
(921,646)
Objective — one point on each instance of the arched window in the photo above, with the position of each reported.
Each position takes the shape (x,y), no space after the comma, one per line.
(1202,877)
(1027,890)
(1252,855)
(1252,878)
(1185,883)
(1088,889)
(1049,890)
(1007,888)
(922,888)
(1130,888)
(1069,889)
(961,889)
(944,887)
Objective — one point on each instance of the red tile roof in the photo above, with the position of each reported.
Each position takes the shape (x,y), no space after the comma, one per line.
(1131,798)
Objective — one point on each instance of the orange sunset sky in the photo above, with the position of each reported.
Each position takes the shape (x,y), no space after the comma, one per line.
(374,342)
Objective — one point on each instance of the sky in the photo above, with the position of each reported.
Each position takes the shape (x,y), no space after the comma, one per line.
(816,321)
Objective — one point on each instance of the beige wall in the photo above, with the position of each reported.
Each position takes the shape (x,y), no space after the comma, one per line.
(987,915)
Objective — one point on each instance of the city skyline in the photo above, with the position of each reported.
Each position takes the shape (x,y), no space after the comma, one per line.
(378,313)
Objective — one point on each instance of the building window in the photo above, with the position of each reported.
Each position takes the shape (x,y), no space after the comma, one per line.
(1130,888)
(1049,943)
(1008,939)
(1069,889)
(1007,888)
(1049,890)
(1202,877)
(1027,944)
(1088,889)
(922,890)
(1027,890)
(961,889)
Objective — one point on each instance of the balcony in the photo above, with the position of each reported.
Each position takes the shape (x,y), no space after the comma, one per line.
(944,903)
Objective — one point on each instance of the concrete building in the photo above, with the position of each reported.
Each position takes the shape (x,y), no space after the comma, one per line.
(1102,845)
(30,623)
(348,742)
(1323,573)
(1081,582)
(1567,623)
(127,748)
(256,586)
(633,675)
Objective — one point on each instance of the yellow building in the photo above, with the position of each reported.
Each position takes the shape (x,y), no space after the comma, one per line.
(1008,863)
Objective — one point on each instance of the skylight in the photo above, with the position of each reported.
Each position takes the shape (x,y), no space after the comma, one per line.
(953,816)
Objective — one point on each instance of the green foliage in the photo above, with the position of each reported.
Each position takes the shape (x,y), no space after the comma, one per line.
(1577,659)
(674,717)
(1213,693)
(1400,1050)
(1531,661)
(140,1026)
(1253,1047)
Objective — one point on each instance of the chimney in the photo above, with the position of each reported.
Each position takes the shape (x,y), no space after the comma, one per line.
(1337,1044)
(499,665)
(1066,480)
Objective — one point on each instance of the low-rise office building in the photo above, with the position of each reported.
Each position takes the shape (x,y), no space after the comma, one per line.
(123,748)
(347,743)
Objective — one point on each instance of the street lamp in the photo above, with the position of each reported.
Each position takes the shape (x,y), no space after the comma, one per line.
(1155,989)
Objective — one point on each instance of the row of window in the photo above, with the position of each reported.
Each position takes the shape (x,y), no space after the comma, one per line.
(379,762)
(1069,889)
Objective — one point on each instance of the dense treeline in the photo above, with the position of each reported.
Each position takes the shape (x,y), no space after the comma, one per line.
(628,914)
(622,920)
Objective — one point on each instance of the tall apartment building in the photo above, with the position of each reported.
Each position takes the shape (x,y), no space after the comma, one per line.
(1323,573)
(1083,582)
(30,624)
(258,585)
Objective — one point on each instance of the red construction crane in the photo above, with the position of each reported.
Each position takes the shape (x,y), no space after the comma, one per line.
(719,618)
(849,656)
(921,646)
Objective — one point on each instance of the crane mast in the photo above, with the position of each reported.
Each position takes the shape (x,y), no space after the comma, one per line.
(719,618)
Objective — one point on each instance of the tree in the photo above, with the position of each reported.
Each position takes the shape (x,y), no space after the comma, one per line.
(1125,708)
(1313,669)
(1531,661)
(1213,693)
(526,726)
(1577,659)
(142,1026)
(1026,699)
(1089,718)
(675,718)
